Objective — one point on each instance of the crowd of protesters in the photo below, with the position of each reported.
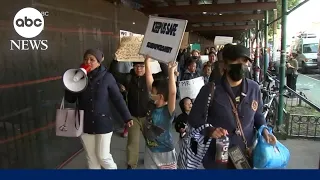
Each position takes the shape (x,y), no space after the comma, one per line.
(146,103)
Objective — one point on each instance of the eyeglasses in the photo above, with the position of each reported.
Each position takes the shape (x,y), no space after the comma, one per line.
(153,95)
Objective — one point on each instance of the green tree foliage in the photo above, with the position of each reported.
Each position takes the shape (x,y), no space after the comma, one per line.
(291,4)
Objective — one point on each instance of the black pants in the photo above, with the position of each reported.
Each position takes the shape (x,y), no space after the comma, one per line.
(292,81)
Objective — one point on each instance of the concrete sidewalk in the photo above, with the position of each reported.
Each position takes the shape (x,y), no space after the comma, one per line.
(304,153)
(118,151)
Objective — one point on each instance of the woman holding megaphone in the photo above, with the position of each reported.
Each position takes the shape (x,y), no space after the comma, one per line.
(94,100)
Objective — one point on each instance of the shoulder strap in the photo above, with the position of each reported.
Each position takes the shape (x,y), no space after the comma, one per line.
(238,122)
(210,97)
(206,125)
(77,114)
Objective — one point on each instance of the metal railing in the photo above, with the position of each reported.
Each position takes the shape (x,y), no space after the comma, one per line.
(302,117)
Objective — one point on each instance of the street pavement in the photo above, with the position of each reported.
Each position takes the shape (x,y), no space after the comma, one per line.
(309,84)
(304,153)
(315,76)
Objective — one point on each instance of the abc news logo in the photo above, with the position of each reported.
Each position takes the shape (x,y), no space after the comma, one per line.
(29,23)
(26,22)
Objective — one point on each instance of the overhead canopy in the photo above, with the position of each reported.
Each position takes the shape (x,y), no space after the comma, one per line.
(211,17)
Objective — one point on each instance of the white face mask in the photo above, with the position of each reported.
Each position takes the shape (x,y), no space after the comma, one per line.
(154,98)
(155,101)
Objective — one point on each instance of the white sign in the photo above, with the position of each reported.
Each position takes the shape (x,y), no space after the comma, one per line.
(222,40)
(29,23)
(163,38)
(204,58)
(127,33)
(155,67)
(190,88)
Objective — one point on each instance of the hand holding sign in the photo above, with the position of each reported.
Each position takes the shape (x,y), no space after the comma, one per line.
(172,66)
(147,58)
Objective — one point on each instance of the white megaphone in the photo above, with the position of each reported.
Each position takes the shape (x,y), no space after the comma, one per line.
(76,80)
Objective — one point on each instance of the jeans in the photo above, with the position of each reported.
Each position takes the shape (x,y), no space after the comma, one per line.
(97,148)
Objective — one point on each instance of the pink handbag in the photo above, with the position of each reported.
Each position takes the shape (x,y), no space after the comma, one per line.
(69,122)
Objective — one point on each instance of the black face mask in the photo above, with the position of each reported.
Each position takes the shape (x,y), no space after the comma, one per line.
(236,71)
(194,57)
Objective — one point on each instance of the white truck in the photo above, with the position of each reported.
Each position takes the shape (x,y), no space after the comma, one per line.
(307,48)
(318,58)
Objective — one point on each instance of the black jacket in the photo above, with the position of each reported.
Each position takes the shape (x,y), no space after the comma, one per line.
(220,114)
(187,75)
(182,120)
(137,91)
(138,94)
(94,100)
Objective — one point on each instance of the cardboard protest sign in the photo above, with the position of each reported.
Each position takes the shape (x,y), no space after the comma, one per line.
(129,49)
(185,41)
(222,40)
(190,88)
(127,33)
(163,38)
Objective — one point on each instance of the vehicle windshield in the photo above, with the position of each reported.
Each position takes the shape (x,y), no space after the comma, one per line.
(310,48)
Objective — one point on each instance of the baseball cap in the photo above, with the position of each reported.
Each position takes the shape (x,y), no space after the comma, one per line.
(233,52)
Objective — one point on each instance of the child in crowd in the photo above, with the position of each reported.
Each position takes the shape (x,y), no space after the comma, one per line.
(160,152)
(191,71)
(181,121)
(206,73)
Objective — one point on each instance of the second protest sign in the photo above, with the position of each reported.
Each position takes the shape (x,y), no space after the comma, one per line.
(190,88)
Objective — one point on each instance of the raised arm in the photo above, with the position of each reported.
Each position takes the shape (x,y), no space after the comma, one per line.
(172,68)
(148,73)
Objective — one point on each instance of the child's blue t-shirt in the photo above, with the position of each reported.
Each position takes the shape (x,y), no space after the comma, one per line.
(162,118)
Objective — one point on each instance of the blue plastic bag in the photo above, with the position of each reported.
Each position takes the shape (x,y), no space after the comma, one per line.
(267,156)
